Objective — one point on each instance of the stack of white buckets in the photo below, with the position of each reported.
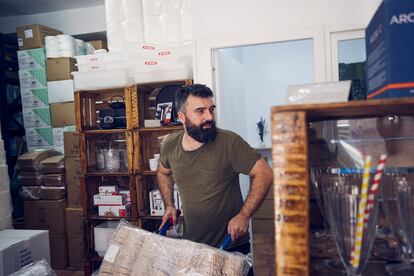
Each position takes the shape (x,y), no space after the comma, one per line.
(5,199)
(65,46)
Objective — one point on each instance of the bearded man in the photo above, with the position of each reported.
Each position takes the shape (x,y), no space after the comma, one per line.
(205,163)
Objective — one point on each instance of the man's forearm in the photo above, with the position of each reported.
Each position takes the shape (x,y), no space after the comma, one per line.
(166,186)
(260,185)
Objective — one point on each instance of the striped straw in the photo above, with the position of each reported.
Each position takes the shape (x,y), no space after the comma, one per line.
(356,254)
(374,188)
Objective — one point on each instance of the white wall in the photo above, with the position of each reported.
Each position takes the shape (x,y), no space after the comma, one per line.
(218,18)
(72,22)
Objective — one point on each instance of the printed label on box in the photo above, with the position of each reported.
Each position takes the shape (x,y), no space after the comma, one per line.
(31,79)
(32,59)
(39,137)
(28,33)
(36,117)
(34,98)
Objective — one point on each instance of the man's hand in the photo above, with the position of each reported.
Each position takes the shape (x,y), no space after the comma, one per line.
(238,226)
(170,212)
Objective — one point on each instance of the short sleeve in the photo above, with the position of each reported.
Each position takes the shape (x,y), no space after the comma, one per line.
(164,156)
(242,156)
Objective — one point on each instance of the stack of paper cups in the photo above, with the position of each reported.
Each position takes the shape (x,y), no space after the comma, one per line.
(52,48)
(113,11)
(133,30)
(80,47)
(67,46)
(115,36)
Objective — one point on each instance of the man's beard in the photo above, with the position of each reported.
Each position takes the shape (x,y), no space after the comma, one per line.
(200,134)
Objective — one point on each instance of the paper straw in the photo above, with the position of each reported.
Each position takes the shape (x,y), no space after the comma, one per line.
(356,253)
(374,188)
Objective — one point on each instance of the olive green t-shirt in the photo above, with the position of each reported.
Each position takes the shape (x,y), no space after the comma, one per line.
(208,181)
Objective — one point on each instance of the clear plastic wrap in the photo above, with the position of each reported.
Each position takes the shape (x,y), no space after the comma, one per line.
(56,179)
(30,161)
(30,192)
(134,251)
(52,193)
(38,268)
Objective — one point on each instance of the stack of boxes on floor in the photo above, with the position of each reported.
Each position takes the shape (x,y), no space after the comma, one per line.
(74,212)
(33,85)
(44,205)
(5,202)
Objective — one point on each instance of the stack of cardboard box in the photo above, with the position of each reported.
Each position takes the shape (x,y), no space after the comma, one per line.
(53,178)
(44,214)
(74,212)
(32,76)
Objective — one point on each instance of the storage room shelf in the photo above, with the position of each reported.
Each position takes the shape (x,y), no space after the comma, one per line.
(109,174)
(96,217)
(162,128)
(105,131)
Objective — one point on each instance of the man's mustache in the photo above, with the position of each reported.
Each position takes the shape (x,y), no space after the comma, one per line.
(208,123)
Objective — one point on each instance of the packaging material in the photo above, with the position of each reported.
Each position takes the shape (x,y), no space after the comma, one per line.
(113,11)
(63,46)
(32,59)
(58,138)
(115,36)
(63,114)
(58,251)
(108,190)
(73,171)
(99,44)
(38,138)
(127,193)
(36,117)
(33,36)
(61,91)
(328,92)
(102,79)
(102,236)
(19,248)
(41,267)
(30,192)
(30,161)
(76,253)
(35,98)
(53,165)
(60,68)
(133,29)
(157,204)
(71,144)
(52,193)
(74,229)
(46,214)
(390,58)
(109,200)
(30,178)
(32,79)
(134,251)
(74,194)
(80,47)
(54,180)
(122,211)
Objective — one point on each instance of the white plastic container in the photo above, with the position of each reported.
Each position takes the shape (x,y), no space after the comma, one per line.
(100,61)
(146,71)
(102,79)
(103,235)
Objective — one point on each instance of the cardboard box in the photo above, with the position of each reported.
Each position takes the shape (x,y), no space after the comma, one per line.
(157,204)
(52,193)
(30,178)
(32,79)
(60,91)
(58,251)
(63,114)
(30,161)
(74,194)
(109,200)
(389,42)
(99,44)
(74,229)
(33,36)
(76,253)
(54,180)
(71,144)
(73,170)
(122,211)
(39,138)
(108,190)
(32,59)
(58,138)
(34,98)
(46,215)
(60,68)
(53,165)
(19,248)
(36,117)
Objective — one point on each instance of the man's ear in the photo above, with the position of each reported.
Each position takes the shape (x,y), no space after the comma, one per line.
(181,117)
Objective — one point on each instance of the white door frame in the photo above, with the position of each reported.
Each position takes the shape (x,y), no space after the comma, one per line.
(206,59)
(333,36)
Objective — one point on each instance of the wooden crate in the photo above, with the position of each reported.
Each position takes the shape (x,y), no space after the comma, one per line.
(93,141)
(147,94)
(290,166)
(88,104)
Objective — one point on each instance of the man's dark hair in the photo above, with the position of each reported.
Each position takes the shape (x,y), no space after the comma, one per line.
(198,90)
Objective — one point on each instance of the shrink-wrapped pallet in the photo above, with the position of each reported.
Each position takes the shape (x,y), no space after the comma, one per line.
(135,251)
